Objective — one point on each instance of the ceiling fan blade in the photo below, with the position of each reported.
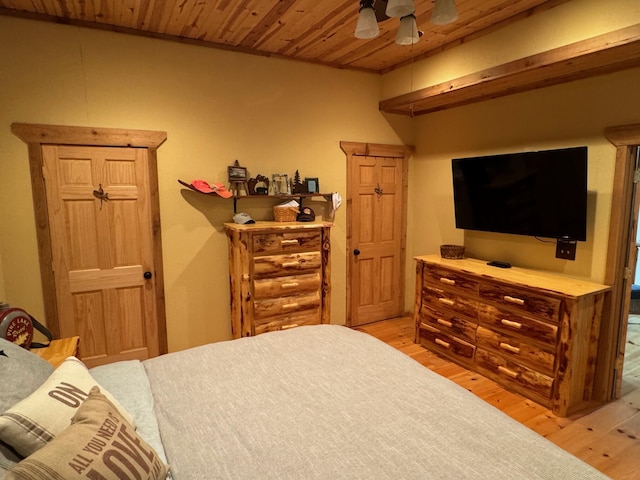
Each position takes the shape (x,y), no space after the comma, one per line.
(379,6)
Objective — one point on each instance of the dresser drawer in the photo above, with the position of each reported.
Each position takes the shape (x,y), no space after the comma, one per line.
(532,330)
(282,265)
(284,305)
(513,376)
(516,350)
(283,322)
(522,300)
(434,339)
(449,323)
(280,242)
(281,286)
(449,278)
(440,299)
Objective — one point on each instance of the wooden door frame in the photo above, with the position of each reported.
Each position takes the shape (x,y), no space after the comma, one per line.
(35,135)
(403,152)
(613,326)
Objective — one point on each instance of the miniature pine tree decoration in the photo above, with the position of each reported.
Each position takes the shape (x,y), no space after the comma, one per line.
(297,185)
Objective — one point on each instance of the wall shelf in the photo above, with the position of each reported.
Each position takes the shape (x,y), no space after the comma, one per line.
(294,196)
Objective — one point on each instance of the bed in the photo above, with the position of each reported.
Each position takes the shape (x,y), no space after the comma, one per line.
(314,402)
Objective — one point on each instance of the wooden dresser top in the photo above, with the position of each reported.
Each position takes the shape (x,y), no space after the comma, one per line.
(270,226)
(550,282)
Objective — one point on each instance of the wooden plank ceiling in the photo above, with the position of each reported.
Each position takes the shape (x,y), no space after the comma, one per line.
(319,31)
(322,32)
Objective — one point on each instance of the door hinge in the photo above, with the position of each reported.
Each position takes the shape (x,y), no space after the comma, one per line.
(636,176)
(627,273)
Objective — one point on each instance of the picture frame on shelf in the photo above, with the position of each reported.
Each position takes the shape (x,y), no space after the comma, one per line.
(280,183)
(312,184)
(258,185)
(237,174)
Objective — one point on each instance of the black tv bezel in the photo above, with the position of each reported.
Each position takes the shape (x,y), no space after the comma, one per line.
(578,155)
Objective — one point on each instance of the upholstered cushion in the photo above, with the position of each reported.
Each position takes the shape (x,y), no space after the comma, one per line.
(100,443)
(21,372)
(8,459)
(36,420)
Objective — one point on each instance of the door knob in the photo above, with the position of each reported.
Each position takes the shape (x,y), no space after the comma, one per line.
(356,252)
(147,275)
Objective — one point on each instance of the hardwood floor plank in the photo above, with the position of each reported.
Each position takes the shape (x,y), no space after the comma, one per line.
(607,438)
(546,423)
(623,470)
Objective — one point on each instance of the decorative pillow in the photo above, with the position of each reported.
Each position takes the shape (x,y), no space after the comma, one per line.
(8,459)
(36,420)
(99,444)
(21,372)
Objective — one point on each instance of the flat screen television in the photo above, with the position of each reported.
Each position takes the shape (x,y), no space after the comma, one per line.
(541,194)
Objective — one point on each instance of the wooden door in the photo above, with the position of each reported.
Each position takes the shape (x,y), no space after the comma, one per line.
(376,209)
(628,275)
(622,227)
(102,250)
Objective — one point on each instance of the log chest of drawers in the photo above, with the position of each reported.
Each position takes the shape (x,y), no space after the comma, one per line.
(534,333)
(279,275)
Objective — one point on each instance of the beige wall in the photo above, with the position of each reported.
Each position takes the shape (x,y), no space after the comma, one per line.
(562,116)
(567,115)
(273,115)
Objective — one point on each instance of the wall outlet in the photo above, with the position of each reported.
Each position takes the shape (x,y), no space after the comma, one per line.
(566,249)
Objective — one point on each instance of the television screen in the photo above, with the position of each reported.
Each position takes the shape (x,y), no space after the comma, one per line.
(541,194)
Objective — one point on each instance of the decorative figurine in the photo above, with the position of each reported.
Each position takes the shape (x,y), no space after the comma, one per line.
(296,185)
(259,185)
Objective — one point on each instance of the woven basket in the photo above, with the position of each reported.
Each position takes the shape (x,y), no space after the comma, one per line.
(285,214)
(452,251)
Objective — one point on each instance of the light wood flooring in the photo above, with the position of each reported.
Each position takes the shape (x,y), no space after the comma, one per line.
(607,438)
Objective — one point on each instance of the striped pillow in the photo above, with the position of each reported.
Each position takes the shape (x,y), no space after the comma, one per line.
(99,444)
(35,421)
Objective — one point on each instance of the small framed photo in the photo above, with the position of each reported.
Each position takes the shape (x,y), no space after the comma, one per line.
(313,185)
(281,184)
(237,173)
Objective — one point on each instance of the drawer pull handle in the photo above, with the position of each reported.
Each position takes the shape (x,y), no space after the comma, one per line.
(516,300)
(290,285)
(291,325)
(448,281)
(509,323)
(506,371)
(290,264)
(288,242)
(289,305)
(444,322)
(509,348)
(447,301)
(442,343)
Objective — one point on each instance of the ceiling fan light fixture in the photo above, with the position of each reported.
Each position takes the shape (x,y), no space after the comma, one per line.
(367,25)
(400,8)
(408,31)
(444,12)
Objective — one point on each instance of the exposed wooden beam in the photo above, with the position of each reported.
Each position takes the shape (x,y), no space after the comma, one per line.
(602,54)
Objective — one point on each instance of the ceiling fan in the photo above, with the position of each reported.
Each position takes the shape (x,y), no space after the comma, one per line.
(373,12)
(379,6)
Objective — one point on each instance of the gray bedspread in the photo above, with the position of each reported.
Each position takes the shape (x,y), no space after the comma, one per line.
(327,402)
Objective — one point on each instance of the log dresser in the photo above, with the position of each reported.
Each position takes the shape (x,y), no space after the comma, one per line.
(279,274)
(535,333)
